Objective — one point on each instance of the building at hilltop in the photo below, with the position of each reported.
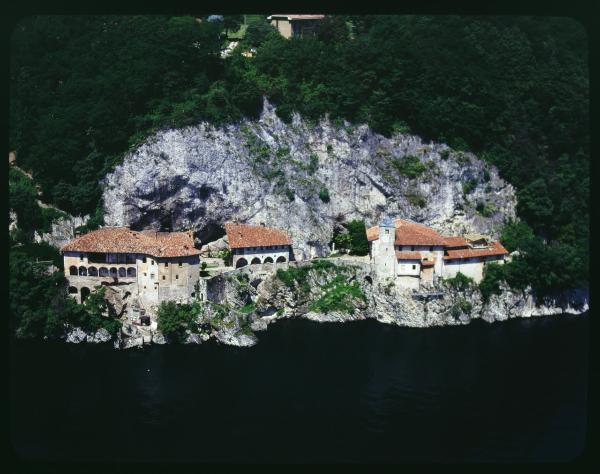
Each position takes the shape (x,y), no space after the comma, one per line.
(412,253)
(296,26)
(255,244)
(151,266)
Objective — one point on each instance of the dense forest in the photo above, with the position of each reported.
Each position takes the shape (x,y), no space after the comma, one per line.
(515,90)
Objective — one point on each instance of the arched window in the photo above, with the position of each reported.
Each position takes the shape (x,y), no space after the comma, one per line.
(268,260)
(131,272)
(103,272)
(280,259)
(82,271)
(122,272)
(242,262)
(93,271)
(85,292)
(73,270)
(113,271)
(255,261)
(73,290)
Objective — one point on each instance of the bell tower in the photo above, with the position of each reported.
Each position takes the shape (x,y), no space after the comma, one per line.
(385,255)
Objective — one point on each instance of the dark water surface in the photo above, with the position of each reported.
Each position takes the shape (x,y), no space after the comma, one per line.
(311,392)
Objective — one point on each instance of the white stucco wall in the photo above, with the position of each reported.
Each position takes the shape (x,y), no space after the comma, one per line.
(383,253)
(468,267)
(405,267)
(261,253)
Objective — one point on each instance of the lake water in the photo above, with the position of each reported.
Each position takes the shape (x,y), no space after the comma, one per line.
(310,392)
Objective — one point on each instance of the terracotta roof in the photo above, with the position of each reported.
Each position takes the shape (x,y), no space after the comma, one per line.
(410,233)
(456,242)
(244,235)
(495,248)
(408,255)
(124,240)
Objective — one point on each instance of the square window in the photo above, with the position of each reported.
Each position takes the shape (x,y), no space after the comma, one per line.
(80,256)
(166,264)
(180,264)
(164,277)
(152,276)
(145,274)
(151,262)
(414,267)
(176,277)
(144,259)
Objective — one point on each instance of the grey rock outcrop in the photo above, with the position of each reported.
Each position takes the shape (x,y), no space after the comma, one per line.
(63,230)
(272,172)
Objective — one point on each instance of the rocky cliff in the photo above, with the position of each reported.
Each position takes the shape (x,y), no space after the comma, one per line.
(247,301)
(303,178)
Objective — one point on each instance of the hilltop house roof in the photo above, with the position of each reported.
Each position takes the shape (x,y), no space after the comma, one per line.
(408,255)
(410,233)
(245,235)
(124,240)
(456,242)
(292,17)
(495,248)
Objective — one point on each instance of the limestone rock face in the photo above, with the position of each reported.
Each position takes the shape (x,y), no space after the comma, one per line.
(102,335)
(63,230)
(272,172)
(76,335)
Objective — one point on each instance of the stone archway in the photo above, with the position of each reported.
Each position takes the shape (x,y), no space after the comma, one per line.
(82,271)
(122,272)
(131,272)
(73,270)
(255,261)
(280,259)
(93,271)
(113,271)
(268,260)
(73,290)
(103,272)
(242,262)
(85,292)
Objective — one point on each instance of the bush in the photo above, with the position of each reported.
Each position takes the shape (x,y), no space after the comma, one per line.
(462,306)
(359,245)
(313,164)
(338,296)
(493,274)
(416,200)
(409,166)
(324,195)
(485,209)
(516,235)
(469,186)
(175,320)
(460,281)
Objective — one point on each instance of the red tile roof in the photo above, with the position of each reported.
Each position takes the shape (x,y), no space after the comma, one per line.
(456,242)
(410,233)
(124,240)
(408,255)
(496,248)
(244,235)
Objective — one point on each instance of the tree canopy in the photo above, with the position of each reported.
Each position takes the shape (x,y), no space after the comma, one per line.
(515,90)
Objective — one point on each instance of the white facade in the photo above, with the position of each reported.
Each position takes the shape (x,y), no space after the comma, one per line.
(383,251)
(263,254)
(471,267)
(152,280)
(409,267)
